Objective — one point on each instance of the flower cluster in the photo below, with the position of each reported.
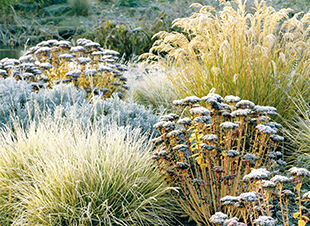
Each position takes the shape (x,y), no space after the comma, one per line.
(85,65)
(210,145)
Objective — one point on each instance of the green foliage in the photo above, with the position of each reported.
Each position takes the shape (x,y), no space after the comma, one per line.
(58,173)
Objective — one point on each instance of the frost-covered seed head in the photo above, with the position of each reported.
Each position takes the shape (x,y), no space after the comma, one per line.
(245,104)
(191,100)
(179,103)
(306,196)
(233,222)
(303,172)
(265,221)
(180,147)
(45,66)
(232,153)
(207,147)
(274,125)
(229,125)
(248,197)
(229,200)
(185,121)
(159,125)
(199,111)
(265,110)
(169,126)
(280,179)
(210,137)
(158,140)
(84,60)
(203,119)
(198,182)
(268,184)
(232,99)
(218,218)
(163,153)
(266,129)
(240,112)
(260,173)
(277,138)
(212,98)
(175,133)
(281,162)
(287,193)
(249,157)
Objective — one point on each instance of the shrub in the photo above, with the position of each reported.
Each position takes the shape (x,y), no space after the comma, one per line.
(19,104)
(261,56)
(208,153)
(86,65)
(58,173)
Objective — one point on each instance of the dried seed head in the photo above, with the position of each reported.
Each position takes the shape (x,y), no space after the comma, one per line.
(306,196)
(229,125)
(303,172)
(232,99)
(210,137)
(266,110)
(268,184)
(280,179)
(207,147)
(181,147)
(199,111)
(175,133)
(185,121)
(232,153)
(245,104)
(240,112)
(266,129)
(192,100)
(218,218)
(199,182)
(248,197)
(277,138)
(258,174)
(202,119)
(181,165)
(250,157)
(287,193)
(265,221)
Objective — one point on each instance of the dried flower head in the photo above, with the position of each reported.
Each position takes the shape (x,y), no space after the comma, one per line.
(280,179)
(218,218)
(303,172)
(265,221)
(259,174)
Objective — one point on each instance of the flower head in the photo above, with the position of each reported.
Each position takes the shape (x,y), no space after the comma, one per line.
(218,218)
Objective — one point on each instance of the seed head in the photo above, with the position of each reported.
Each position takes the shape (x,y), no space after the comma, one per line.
(218,218)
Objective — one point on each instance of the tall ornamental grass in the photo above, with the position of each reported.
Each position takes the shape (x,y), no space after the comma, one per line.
(261,55)
(298,132)
(58,173)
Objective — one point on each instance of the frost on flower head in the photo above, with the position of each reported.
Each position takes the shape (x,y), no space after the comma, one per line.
(232,153)
(249,156)
(233,222)
(185,121)
(265,221)
(265,110)
(231,99)
(260,173)
(287,193)
(245,104)
(240,112)
(229,200)
(280,179)
(306,196)
(268,184)
(203,119)
(181,147)
(229,125)
(277,138)
(212,98)
(199,111)
(218,218)
(248,197)
(191,100)
(266,129)
(210,137)
(303,172)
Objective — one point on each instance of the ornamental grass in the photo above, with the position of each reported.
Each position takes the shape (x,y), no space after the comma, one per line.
(59,173)
(260,55)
